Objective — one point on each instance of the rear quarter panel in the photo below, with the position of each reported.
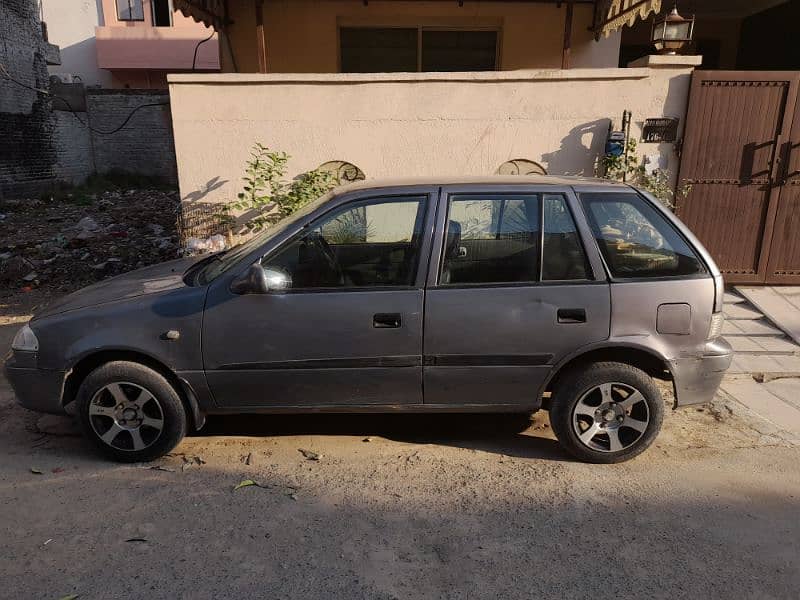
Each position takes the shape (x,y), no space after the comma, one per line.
(634,310)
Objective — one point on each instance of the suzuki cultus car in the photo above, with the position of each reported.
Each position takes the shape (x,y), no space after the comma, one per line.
(484,295)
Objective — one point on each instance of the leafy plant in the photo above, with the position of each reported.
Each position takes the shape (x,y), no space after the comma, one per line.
(267,196)
(657,181)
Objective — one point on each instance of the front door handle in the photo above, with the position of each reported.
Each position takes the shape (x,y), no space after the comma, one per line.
(387,321)
(571,315)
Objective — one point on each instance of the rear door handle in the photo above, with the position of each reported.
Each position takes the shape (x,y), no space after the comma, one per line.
(387,321)
(571,315)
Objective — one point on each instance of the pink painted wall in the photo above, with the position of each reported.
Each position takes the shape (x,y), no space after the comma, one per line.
(165,48)
(139,55)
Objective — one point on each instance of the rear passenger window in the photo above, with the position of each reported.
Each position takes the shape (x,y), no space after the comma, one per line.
(636,240)
(563,257)
(497,239)
(491,239)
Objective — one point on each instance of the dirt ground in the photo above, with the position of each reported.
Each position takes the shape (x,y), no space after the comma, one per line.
(72,238)
(396,506)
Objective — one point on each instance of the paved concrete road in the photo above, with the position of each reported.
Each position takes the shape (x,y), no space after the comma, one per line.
(430,507)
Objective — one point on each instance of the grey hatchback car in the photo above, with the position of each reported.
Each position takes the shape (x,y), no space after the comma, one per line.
(484,295)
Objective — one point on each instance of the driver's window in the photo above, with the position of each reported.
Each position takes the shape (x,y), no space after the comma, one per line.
(372,243)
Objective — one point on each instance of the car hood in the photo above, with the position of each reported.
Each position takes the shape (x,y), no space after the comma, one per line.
(149,280)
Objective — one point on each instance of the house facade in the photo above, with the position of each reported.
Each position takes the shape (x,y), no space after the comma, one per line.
(435,87)
(127,43)
(340,36)
(417,87)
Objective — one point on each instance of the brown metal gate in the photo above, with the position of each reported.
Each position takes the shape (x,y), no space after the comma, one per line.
(738,158)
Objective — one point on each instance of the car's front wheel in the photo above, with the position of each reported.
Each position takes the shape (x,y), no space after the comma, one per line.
(130,412)
(606,412)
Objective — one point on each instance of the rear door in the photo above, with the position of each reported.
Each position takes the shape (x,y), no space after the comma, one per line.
(511,291)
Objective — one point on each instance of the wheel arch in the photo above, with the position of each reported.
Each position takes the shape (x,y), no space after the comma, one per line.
(88,363)
(642,358)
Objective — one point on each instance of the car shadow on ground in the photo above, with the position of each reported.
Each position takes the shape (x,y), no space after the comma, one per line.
(513,435)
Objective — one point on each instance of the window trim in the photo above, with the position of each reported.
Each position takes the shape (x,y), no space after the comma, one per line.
(423,216)
(612,278)
(420,26)
(120,19)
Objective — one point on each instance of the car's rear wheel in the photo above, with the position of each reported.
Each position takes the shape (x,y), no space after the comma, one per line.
(130,412)
(606,412)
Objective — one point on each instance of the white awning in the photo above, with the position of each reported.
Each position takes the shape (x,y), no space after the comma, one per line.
(614,14)
(209,12)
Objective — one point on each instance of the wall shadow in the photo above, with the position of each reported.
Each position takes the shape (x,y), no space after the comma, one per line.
(202,219)
(79,56)
(209,186)
(583,145)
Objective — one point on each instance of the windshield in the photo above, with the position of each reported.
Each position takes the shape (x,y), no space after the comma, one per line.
(223,261)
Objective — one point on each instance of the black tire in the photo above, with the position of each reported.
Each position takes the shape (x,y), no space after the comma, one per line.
(582,385)
(162,405)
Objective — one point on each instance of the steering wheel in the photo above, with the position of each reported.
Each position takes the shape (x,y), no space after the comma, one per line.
(328,256)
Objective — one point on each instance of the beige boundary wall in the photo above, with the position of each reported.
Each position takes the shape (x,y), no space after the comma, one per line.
(415,123)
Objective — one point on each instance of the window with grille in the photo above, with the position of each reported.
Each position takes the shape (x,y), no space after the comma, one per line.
(410,49)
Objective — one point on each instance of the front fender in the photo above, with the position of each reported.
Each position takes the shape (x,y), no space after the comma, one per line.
(136,325)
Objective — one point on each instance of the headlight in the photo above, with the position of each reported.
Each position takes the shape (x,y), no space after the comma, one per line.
(715,330)
(25,340)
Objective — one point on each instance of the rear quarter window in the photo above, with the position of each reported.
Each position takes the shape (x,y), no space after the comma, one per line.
(636,240)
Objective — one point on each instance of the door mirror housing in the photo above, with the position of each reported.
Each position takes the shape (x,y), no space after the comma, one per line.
(261,280)
(278,280)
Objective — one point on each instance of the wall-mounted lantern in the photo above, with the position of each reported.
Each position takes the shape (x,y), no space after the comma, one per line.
(672,32)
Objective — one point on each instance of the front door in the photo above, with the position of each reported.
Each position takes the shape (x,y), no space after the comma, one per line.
(513,294)
(347,333)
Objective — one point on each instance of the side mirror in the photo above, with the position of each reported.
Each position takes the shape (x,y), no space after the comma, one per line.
(261,280)
(278,280)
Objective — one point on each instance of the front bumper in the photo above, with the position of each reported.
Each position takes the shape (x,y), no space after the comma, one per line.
(697,378)
(36,389)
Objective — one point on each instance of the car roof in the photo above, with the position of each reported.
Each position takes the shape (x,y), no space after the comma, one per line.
(556,180)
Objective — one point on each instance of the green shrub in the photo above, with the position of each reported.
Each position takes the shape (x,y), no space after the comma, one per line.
(269,196)
(657,181)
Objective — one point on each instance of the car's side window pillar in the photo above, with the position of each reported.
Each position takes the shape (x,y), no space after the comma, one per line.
(563,255)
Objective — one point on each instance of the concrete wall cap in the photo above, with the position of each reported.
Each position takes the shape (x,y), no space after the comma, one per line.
(667,61)
(472,76)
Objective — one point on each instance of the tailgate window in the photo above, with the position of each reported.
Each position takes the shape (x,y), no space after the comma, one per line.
(636,240)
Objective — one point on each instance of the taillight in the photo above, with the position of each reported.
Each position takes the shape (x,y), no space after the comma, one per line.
(715,329)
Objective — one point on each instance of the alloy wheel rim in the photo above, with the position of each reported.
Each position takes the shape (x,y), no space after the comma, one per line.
(126,416)
(610,417)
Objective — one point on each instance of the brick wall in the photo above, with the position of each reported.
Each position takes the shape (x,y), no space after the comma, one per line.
(73,147)
(27,155)
(145,145)
(40,146)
